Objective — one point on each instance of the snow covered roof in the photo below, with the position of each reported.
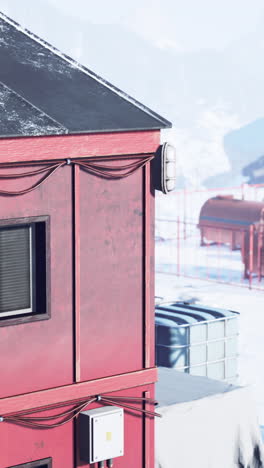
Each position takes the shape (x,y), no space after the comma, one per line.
(44,92)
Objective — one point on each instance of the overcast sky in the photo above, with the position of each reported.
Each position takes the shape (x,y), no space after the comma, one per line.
(187,25)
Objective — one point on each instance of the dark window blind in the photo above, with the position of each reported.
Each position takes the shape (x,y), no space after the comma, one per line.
(15,270)
(36,464)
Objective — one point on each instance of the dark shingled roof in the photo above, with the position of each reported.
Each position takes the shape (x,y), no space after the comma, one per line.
(43,92)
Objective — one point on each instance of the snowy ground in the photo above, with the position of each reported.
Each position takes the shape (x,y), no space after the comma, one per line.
(250,305)
(224,266)
(186,257)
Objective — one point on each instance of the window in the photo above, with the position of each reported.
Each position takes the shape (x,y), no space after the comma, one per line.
(45,463)
(23,269)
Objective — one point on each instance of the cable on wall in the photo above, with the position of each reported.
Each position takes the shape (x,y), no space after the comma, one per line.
(50,170)
(114,172)
(90,165)
(44,422)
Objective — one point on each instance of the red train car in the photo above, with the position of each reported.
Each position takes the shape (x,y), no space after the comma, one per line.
(76,256)
(224,219)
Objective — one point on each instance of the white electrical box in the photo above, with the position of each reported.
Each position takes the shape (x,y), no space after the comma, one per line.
(101,434)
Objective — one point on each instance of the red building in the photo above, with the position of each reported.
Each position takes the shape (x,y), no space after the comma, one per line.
(76,255)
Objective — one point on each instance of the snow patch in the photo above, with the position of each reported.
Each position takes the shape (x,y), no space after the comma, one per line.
(37,124)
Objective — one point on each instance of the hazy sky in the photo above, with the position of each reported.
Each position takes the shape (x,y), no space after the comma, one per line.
(219,21)
(185,25)
(190,24)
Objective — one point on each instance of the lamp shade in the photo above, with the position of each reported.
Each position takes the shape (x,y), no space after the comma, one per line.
(164,168)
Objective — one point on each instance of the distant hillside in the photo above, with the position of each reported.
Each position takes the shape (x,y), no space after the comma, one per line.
(255,171)
(245,144)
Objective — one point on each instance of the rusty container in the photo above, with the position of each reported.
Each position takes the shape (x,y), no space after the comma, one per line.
(225,220)
(253,251)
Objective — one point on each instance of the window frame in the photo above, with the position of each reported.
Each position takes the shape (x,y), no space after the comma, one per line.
(25,317)
(35,464)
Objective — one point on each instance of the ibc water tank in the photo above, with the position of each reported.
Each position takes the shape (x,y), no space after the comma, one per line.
(198,340)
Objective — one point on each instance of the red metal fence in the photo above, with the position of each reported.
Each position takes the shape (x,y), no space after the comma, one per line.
(181,251)
(187,203)
(184,254)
